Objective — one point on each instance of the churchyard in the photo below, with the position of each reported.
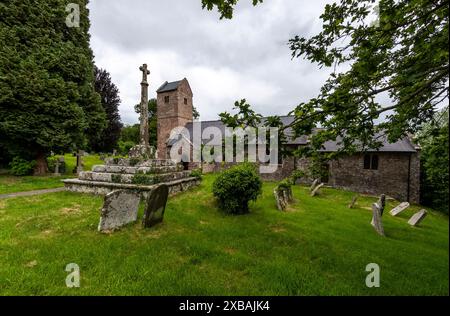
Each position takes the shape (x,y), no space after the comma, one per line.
(318,246)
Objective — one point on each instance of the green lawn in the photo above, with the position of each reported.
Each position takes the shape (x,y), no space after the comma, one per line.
(319,247)
(11,184)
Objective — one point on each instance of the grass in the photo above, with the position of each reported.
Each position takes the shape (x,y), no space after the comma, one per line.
(318,247)
(11,184)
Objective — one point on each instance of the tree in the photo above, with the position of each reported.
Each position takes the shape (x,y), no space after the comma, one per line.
(109,95)
(434,140)
(403,55)
(47,97)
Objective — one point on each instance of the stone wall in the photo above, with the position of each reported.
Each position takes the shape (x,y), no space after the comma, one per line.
(391,177)
(173,114)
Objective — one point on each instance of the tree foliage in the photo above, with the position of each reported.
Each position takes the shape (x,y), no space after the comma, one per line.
(47,97)
(434,140)
(110,100)
(401,58)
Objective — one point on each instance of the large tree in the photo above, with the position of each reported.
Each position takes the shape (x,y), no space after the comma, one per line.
(109,95)
(47,97)
(398,69)
(434,140)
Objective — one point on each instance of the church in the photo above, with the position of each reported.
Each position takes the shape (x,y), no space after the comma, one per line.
(393,169)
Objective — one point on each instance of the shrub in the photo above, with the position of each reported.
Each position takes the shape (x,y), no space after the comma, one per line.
(236,187)
(124,147)
(197,173)
(22,167)
(51,162)
(296,175)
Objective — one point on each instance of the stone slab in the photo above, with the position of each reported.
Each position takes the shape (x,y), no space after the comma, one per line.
(120,208)
(155,206)
(417,218)
(376,220)
(400,208)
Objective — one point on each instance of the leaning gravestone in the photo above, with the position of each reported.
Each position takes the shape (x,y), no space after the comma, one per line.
(283,196)
(400,208)
(120,208)
(316,190)
(155,206)
(376,220)
(313,185)
(382,203)
(417,218)
(353,202)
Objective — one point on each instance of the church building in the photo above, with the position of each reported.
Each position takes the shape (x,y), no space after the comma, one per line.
(394,169)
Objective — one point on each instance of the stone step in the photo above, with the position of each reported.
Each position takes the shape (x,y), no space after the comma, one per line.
(136,170)
(103,188)
(134,162)
(142,179)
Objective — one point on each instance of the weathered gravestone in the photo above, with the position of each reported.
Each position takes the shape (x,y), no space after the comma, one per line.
(120,208)
(316,190)
(376,219)
(79,166)
(417,218)
(283,196)
(353,202)
(57,164)
(381,204)
(400,208)
(313,185)
(155,206)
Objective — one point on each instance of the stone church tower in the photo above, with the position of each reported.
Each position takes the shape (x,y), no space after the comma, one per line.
(174,108)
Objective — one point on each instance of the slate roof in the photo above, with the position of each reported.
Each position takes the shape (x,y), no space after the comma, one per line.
(169,86)
(403,145)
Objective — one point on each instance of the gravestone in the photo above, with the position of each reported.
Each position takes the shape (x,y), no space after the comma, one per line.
(313,185)
(417,218)
(62,165)
(57,164)
(400,208)
(283,196)
(353,202)
(155,206)
(316,190)
(382,203)
(120,208)
(79,166)
(376,220)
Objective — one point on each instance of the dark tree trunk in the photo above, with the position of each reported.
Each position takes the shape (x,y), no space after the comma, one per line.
(41,167)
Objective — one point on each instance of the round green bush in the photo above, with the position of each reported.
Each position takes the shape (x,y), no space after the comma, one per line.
(236,187)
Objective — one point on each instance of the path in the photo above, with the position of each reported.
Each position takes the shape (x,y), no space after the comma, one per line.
(30,193)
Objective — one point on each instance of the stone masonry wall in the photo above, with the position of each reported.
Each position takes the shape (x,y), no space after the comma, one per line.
(173,114)
(391,178)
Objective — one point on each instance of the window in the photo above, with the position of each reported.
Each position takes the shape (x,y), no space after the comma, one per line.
(166,99)
(371,162)
(185,101)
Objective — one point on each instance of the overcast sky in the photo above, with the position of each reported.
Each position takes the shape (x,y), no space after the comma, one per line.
(224,60)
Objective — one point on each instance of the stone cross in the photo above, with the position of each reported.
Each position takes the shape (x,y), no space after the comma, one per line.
(144,137)
(57,163)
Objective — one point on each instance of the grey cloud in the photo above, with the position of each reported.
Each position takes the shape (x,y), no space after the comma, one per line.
(224,60)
